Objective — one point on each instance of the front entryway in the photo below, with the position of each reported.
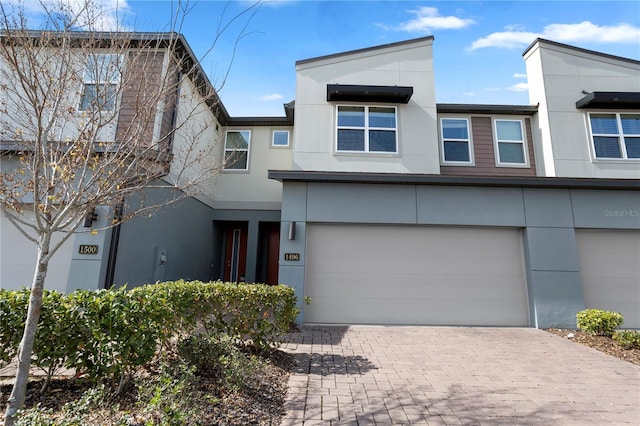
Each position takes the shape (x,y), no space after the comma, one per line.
(246,251)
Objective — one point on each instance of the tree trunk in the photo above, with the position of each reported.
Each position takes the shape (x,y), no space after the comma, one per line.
(18,393)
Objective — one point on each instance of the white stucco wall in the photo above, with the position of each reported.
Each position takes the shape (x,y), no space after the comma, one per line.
(17,116)
(557,77)
(18,259)
(251,189)
(197,141)
(401,64)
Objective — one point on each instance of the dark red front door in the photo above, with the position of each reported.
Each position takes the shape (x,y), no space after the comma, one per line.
(273,252)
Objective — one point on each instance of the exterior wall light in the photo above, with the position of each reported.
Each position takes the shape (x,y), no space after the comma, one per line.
(292,230)
(91,217)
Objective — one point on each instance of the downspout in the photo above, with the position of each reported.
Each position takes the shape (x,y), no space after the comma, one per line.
(113,247)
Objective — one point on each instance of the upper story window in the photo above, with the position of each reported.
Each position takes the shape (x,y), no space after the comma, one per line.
(280,138)
(615,135)
(236,150)
(367,129)
(509,143)
(101,78)
(456,143)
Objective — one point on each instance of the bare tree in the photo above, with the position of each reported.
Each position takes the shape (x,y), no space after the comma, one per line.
(90,118)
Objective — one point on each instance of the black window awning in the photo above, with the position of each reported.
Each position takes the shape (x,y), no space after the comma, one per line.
(610,100)
(360,93)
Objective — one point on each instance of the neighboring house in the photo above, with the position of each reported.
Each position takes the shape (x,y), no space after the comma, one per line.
(385,207)
(410,212)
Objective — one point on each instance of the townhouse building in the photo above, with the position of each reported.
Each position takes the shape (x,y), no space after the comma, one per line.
(386,207)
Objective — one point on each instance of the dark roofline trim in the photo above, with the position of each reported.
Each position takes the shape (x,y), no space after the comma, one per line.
(366,49)
(368,93)
(487,109)
(580,49)
(422,179)
(259,121)
(610,100)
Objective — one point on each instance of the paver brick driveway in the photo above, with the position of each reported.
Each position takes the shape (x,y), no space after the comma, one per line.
(455,375)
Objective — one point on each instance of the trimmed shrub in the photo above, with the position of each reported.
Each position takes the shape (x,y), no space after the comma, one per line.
(598,322)
(108,334)
(13,313)
(255,314)
(628,339)
(117,333)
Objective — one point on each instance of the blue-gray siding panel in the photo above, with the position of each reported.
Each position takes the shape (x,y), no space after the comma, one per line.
(606,209)
(470,206)
(361,203)
(548,207)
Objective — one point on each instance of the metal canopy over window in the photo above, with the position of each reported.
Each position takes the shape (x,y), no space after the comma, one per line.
(612,100)
(359,93)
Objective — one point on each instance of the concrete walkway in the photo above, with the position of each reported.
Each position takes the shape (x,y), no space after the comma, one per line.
(455,375)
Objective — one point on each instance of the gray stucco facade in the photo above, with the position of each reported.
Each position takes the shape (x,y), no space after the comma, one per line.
(548,212)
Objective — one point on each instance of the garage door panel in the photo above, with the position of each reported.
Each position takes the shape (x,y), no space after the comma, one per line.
(390,285)
(415,275)
(414,311)
(417,261)
(610,271)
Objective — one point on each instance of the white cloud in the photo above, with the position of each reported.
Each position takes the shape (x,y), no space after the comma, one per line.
(94,15)
(519,75)
(271,97)
(587,31)
(519,87)
(506,39)
(582,32)
(428,19)
(468,94)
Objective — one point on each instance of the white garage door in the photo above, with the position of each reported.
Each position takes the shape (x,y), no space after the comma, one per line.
(415,275)
(610,267)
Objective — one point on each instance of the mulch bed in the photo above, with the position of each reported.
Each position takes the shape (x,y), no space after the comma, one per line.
(601,343)
(262,406)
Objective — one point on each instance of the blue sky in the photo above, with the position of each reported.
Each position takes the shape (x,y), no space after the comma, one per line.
(477,49)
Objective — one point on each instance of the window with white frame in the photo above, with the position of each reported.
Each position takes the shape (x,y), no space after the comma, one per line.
(101,78)
(615,135)
(236,150)
(456,143)
(280,138)
(366,129)
(510,146)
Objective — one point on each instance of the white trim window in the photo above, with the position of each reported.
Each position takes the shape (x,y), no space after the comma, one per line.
(101,79)
(509,143)
(456,141)
(370,129)
(236,150)
(615,135)
(280,138)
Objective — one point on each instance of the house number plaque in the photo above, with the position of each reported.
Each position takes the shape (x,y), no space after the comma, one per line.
(88,249)
(294,257)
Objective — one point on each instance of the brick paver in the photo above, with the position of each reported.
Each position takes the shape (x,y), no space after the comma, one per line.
(455,375)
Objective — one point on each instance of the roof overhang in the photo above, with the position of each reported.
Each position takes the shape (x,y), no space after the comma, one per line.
(610,100)
(440,180)
(360,93)
(487,109)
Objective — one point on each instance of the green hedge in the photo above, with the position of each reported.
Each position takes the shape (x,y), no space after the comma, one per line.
(110,333)
(628,339)
(598,322)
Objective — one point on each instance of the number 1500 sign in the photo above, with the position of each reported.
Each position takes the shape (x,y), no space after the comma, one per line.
(88,249)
